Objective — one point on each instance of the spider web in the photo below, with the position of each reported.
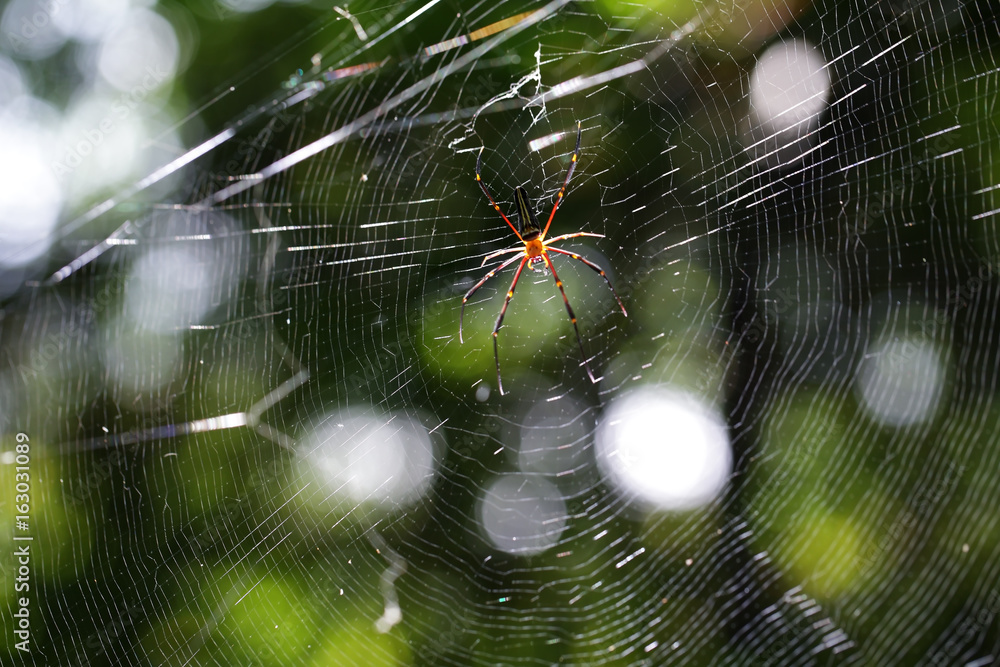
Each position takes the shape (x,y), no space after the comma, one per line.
(259,439)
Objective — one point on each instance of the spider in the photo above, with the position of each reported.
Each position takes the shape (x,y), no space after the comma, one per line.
(535,251)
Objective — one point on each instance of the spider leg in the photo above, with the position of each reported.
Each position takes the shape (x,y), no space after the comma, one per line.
(569,173)
(498,253)
(573,236)
(595,267)
(479,179)
(572,317)
(475,288)
(503,311)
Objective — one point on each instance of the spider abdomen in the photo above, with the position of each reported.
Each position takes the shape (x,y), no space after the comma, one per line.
(526,216)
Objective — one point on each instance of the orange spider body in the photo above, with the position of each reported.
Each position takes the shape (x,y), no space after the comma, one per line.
(533,251)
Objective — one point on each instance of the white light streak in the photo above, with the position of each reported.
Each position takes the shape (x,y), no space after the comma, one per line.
(362,35)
